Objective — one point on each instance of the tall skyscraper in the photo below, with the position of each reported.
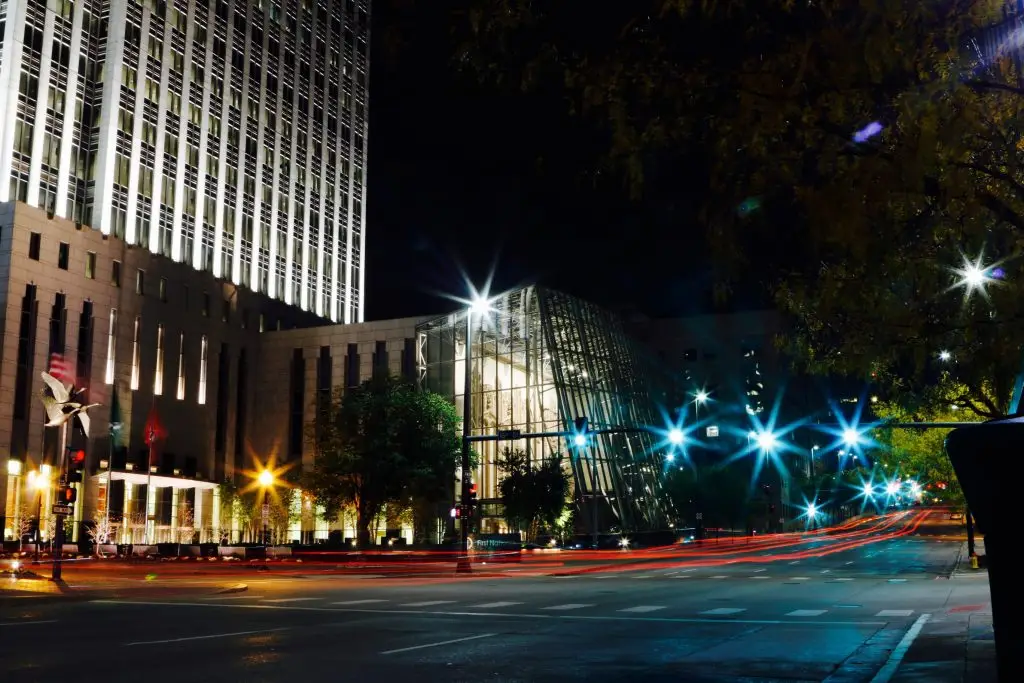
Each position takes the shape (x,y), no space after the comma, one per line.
(225,134)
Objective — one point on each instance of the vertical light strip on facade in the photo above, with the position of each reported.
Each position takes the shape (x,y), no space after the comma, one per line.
(202,371)
(180,393)
(135,353)
(200,106)
(158,373)
(108,375)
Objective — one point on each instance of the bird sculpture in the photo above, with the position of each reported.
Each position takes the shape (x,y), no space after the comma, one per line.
(62,404)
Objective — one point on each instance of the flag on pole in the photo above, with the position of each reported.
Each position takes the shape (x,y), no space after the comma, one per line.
(154,431)
(61,369)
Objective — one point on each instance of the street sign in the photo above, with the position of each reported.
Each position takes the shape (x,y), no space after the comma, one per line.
(509,434)
(700,516)
(711,431)
(782,520)
(62,509)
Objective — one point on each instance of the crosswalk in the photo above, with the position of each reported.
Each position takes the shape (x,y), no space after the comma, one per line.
(520,607)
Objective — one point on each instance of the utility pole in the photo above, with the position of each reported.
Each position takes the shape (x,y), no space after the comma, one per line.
(463,565)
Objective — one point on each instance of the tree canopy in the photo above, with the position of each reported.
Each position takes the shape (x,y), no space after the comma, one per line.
(872,150)
(534,495)
(384,442)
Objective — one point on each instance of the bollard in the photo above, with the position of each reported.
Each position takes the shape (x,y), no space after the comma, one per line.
(974,561)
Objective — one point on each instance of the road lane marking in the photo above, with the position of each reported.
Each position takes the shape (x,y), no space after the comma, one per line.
(568,606)
(443,642)
(826,571)
(606,576)
(850,562)
(495,605)
(643,608)
(806,613)
(843,579)
(209,637)
(691,569)
(760,577)
(795,562)
(235,597)
(720,576)
(897,580)
(27,623)
(282,600)
(759,570)
(723,611)
(490,615)
(888,670)
(895,613)
(357,602)
(799,578)
(426,603)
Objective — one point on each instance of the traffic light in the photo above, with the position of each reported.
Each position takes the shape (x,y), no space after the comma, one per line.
(471,499)
(76,467)
(68,495)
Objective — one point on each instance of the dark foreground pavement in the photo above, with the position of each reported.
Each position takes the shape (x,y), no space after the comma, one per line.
(883,611)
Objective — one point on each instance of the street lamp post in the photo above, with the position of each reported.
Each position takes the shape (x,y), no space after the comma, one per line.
(478,305)
(266,480)
(39,481)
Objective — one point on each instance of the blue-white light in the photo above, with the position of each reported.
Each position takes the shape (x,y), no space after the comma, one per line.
(580,440)
(676,436)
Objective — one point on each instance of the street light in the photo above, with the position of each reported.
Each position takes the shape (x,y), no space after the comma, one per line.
(766,441)
(40,481)
(675,436)
(945,355)
(701,397)
(851,437)
(266,481)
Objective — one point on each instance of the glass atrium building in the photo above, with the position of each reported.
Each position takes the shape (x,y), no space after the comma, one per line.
(541,359)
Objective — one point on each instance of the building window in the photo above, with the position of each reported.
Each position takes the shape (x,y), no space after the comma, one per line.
(163,289)
(35,241)
(226,311)
(63,255)
(115,274)
(263,322)
(111,347)
(206,305)
(202,371)
(352,366)
(135,353)
(180,393)
(380,358)
(90,265)
(158,374)
(140,282)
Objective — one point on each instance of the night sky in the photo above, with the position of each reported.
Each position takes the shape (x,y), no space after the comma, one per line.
(461,176)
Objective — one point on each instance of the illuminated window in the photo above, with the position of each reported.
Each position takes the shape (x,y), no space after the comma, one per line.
(180,394)
(202,371)
(135,354)
(158,375)
(111,346)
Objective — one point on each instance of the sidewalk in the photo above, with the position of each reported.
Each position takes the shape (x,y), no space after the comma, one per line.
(958,645)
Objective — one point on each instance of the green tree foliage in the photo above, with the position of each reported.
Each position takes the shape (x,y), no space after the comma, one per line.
(534,494)
(720,493)
(769,98)
(920,453)
(384,442)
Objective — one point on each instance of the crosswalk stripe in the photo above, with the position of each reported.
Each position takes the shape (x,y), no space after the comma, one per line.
(843,579)
(799,578)
(760,577)
(722,611)
(643,608)
(806,613)
(895,613)
(357,602)
(292,600)
(427,603)
(719,577)
(568,606)
(494,605)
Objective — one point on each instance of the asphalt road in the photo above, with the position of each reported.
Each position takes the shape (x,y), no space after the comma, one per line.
(830,608)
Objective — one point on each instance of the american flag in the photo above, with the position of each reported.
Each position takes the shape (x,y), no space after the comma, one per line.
(60,368)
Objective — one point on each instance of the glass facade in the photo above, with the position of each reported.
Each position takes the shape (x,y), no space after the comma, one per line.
(539,360)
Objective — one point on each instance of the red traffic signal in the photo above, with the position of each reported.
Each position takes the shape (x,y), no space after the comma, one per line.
(471,498)
(77,458)
(68,495)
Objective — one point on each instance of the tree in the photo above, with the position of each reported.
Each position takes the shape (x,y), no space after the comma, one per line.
(920,453)
(24,524)
(534,495)
(135,523)
(185,523)
(871,131)
(382,442)
(102,531)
